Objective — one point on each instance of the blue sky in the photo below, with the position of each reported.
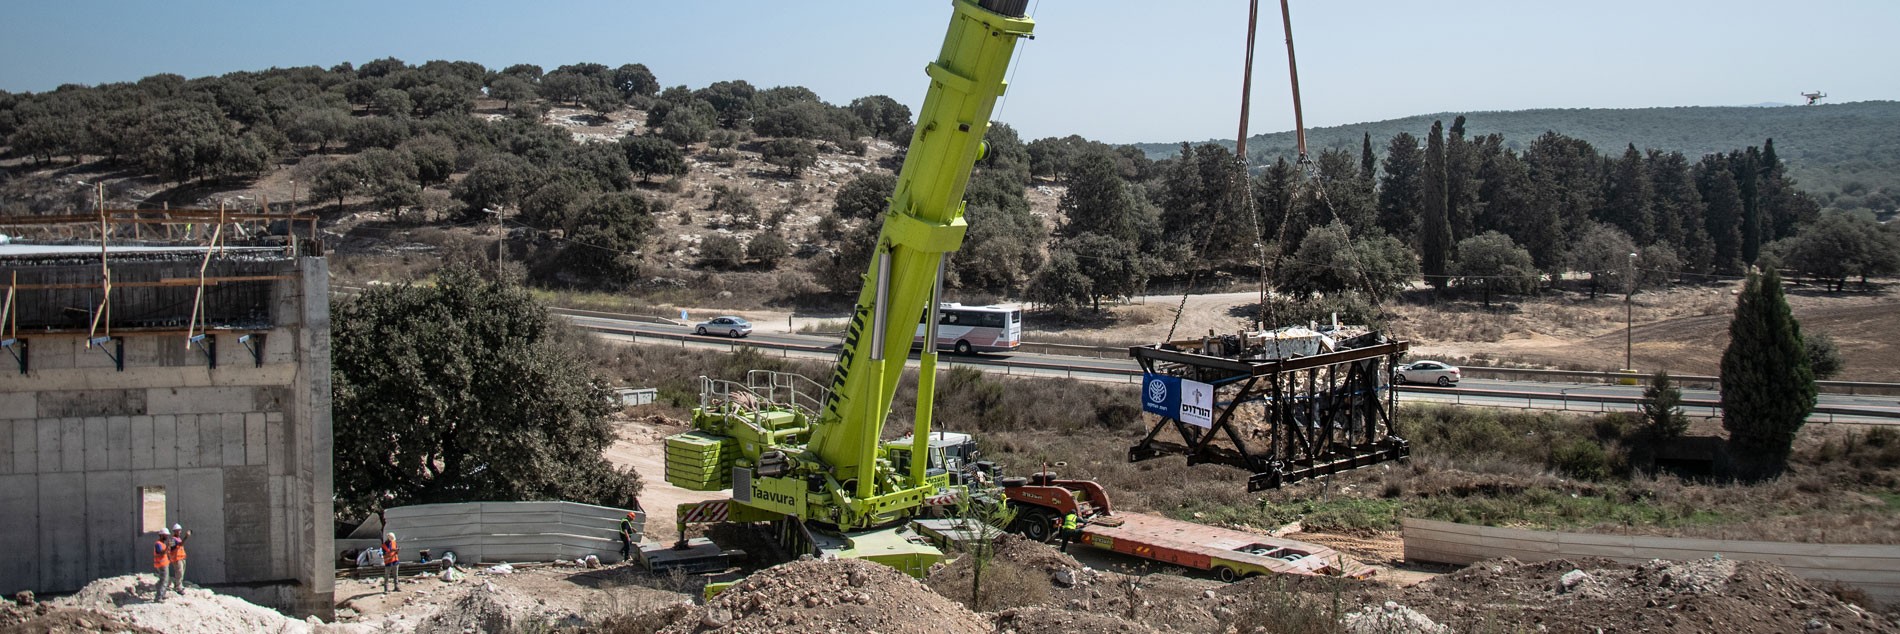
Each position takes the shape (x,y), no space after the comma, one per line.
(1114,70)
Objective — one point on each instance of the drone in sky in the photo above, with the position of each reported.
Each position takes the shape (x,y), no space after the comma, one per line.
(1814,97)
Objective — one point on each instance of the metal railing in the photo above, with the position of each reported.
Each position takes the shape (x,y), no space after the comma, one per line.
(1563,400)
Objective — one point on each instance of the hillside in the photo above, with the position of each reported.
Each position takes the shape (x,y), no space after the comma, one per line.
(1846,154)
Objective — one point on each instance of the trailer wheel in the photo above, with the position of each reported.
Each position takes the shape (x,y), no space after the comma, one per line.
(1036,524)
(1225,574)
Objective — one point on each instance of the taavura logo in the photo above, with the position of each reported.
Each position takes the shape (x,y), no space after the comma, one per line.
(1157,391)
(770,496)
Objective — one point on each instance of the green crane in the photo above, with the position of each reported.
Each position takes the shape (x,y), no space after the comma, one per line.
(808,456)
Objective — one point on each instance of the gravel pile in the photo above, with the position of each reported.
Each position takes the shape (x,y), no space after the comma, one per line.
(840,595)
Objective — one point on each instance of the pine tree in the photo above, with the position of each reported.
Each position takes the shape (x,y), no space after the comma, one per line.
(1722,214)
(1662,407)
(1748,180)
(1461,187)
(1627,203)
(1767,385)
(1434,240)
(1399,197)
(1369,164)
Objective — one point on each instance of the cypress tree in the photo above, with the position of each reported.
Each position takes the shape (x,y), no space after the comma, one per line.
(1434,239)
(1369,164)
(1767,384)
(1399,188)
(1748,179)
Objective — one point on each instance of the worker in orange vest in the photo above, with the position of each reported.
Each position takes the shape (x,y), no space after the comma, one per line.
(179,535)
(162,561)
(392,561)
(626,535)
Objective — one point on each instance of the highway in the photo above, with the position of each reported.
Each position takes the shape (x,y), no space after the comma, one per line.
(1519,394)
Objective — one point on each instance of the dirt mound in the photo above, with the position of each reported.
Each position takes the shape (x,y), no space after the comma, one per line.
(840,595)
(125,599)
(1021,573)
(482,608)
(1600,594)
(1036,619)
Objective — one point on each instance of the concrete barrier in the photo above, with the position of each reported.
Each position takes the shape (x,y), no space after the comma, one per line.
(1870,568)
(506,531)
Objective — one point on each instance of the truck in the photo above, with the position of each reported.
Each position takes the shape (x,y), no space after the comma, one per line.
(1042,500)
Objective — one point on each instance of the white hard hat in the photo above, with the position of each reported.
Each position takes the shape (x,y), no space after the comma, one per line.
(389,535)
(178,527)
(164,531)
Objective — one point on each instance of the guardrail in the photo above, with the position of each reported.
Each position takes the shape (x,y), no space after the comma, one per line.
(1872,568)
(1602,403)
(1560,401)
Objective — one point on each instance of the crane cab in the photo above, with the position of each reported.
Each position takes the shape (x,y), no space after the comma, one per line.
(950,455)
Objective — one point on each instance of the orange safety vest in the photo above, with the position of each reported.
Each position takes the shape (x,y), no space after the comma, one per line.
(178,549)
(161,554)
(389,552)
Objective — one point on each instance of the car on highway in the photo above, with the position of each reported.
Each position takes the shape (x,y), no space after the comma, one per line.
(1439,372)
(727,325)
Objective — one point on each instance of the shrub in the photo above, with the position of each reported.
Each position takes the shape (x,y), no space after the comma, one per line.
(721,251)
(1581,459)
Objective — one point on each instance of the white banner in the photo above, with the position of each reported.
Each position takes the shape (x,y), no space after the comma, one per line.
(1197,404)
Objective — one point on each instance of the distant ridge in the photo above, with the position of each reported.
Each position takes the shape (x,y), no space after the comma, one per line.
(1828,147)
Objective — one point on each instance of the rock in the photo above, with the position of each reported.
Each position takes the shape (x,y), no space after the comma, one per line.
(858,578)
(1064,578)
(1572,578)
(715,618)
(24,598)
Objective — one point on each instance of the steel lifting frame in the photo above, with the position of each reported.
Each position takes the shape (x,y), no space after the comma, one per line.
(1284,420)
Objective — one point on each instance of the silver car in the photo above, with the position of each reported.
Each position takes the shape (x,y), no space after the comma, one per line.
(1439,372)
(727,325)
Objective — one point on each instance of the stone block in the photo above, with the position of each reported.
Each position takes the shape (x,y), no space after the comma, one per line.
(247,527)
(278,460)
(46,433)
(188,442)
(26,444)
(231,439)
(119,443)
(20,568)
(94,443)
(164,442)
(200,504)
(256,450)
(198,400)
(17,404)
(142,442)
(72,444)
(112,539)
(62,521)
(83,403)
(270,399)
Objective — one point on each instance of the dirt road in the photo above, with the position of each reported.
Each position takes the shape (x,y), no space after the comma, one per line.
(642,446)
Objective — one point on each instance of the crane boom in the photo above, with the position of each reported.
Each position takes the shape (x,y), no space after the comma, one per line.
(924,221)
(824,467)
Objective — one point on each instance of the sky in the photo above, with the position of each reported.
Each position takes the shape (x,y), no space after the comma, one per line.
(1112,70)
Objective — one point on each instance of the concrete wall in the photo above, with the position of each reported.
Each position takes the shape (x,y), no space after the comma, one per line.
(1872,568)
(493,532)
(242,451)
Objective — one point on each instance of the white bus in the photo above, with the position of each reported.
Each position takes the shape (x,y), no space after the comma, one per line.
(967,329)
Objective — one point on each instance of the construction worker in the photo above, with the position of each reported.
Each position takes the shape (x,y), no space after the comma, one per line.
(626,535)
(179,535)
(1070,530)
(392,562)
(162,561)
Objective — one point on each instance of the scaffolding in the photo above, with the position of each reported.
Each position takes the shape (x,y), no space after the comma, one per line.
(55,283)
(1283,420)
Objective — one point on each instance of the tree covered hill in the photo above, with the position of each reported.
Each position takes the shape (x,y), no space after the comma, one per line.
(1847,155)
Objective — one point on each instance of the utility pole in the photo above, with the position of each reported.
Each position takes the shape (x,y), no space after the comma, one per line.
(1629,314)
(293,196)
